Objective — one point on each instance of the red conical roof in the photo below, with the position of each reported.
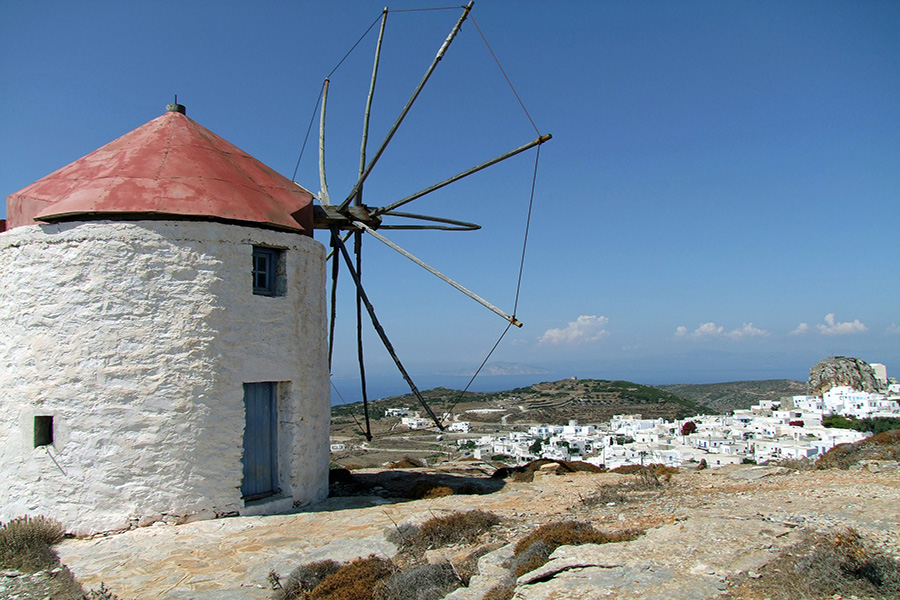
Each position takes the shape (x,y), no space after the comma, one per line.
(170,167)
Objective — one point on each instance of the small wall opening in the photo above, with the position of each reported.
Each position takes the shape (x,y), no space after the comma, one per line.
(269,271)
(43,430)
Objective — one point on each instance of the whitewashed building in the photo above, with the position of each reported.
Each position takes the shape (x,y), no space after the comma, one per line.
(163,353)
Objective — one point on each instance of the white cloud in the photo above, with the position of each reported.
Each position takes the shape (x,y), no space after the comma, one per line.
(584,329)
(705,330)
(893,329)
(711,330)
(802,329)
(748,330)
(832,327)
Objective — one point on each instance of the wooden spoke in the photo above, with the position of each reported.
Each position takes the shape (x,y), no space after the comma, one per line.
(440,275)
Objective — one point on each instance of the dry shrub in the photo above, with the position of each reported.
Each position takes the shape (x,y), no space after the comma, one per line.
(883,446)
(842,456)
(533,556)
(886,438)
(355,581)
(535,549)
(835,564)
(303,579)
(523,477)
(428,489)
(572,533)
(796,464)
(101,593)
(627,469)
(406,463)
(526,472)
(646,480)
(455,528)
(504,591)
(423,582)
(468,567)
(26,543)
(615,493)
(657,469)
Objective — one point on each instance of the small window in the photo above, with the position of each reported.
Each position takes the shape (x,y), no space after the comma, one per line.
(268,271)
(43,430)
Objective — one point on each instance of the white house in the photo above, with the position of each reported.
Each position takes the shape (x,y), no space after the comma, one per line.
(415,422)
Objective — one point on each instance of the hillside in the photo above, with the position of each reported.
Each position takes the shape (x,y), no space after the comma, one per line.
(733,395)
(587,400)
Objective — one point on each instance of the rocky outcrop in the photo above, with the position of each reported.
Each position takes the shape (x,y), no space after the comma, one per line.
(842,370)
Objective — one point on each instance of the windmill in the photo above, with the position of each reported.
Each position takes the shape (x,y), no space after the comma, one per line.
(352,218)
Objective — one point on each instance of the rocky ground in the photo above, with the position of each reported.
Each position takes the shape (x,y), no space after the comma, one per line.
(705,530)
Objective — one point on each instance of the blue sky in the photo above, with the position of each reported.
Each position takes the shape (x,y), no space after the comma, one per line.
(719,200)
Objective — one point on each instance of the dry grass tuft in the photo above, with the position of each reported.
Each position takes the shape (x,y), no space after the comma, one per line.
(428,489)
(303,579)
(525,472)
(645,480)
(835,564)
(455,528)
(656,469)
(535,549)
(423,582)
(468,567)
(355,581)
(26,543)
(407,463)
(504,591)
(572,533)
(796,464)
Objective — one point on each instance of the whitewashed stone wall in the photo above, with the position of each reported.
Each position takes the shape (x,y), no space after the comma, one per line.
(136,337)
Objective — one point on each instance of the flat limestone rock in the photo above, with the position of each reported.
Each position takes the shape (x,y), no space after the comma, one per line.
(685,560)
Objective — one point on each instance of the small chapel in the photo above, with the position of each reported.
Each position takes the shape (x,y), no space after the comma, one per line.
(163,352)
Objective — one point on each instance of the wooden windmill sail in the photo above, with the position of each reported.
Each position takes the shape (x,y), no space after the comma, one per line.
(352,218)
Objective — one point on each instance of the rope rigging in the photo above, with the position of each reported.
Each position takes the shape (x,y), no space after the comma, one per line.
(337,242)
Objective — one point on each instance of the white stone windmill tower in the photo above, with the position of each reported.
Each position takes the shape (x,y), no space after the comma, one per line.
(148,372)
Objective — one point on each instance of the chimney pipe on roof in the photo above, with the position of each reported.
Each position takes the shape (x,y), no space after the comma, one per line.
(176,108)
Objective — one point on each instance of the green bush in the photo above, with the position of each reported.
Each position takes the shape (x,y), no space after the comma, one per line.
(26,543)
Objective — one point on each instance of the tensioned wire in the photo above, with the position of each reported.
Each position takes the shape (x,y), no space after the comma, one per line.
(537,158)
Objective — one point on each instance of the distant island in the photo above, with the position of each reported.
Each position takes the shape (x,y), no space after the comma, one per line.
(500,368)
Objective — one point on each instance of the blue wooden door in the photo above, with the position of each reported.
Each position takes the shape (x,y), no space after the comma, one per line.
(260,441)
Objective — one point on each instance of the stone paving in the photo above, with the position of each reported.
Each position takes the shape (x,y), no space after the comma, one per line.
(231,558)
(705,527)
